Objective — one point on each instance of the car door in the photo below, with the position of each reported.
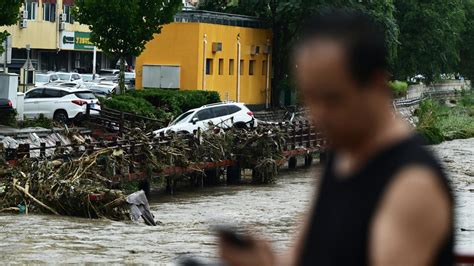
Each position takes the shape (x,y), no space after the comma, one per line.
(221,116)
(31,108)
(203,118)
(49,102)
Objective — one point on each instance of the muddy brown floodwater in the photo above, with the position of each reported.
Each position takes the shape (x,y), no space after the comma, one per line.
(187,217)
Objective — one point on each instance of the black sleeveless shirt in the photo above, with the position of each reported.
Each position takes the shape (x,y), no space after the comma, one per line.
(340,226)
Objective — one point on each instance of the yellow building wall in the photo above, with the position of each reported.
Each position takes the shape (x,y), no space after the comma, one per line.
(176,45)
(41,34)
(252,87)
(183,44)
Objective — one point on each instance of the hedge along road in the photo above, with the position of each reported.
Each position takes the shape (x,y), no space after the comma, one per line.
(187,216)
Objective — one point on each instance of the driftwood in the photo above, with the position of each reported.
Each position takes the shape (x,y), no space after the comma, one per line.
(34,199)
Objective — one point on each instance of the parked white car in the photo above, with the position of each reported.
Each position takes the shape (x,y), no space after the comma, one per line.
(224,115)
(101,89)
(59,103)
(70,77)
(42,79)
(90,77)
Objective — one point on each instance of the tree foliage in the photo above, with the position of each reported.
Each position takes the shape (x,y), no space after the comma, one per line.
(430,35)
(215,5)
(9,10)
(466,66)
(286,17)
(123,27)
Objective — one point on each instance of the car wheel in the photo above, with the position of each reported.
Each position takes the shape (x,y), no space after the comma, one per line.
(240,125)
(61,116)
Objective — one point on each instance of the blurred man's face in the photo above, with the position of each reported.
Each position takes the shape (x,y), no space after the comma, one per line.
(343,110)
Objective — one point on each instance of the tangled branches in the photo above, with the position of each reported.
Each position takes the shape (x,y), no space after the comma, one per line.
(74,188)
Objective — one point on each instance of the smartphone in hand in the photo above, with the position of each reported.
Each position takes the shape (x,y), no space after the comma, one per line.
(233,236)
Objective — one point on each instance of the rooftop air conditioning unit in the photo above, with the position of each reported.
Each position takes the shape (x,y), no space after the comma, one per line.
(62,17)
(23,23)
(216,47)
(23,14)
(267,49)
(62,26)
(255,50)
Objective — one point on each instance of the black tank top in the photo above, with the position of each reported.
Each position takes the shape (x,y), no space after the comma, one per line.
(339,229)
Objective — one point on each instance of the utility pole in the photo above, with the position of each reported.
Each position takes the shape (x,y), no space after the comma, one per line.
(6,57)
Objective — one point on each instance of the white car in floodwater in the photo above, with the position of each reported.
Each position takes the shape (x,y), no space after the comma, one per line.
(223,115)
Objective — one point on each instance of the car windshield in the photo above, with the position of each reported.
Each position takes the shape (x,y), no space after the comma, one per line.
(42,78)
(64,76)
(181,118)
(87,77)
(85,95)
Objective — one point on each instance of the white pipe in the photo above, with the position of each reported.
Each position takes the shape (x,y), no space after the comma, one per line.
(267,83)
(94,63)
(204,62)
(238,67)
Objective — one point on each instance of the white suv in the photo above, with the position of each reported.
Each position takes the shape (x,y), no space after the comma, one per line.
(70,77)
(59,103)
(224,115)
(42,79)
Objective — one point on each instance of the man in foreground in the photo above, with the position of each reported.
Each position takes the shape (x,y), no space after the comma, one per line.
(383,198)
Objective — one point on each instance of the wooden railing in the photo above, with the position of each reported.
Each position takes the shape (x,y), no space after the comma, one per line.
(119,121)
(299,136)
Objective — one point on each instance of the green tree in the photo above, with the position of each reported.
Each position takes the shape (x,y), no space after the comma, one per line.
(285,17)
(467,43)
(123,27)
(214,5)
(9,10)
(430,35)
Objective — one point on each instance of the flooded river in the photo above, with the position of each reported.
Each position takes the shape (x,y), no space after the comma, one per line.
(187,216)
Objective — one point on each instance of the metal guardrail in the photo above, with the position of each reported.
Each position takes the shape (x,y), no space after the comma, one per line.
(424,95)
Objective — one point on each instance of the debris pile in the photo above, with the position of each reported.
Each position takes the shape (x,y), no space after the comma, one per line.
(66,185)
(75,188)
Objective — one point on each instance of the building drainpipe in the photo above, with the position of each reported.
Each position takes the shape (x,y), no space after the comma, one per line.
(57,22)
(94,63)
(204,62)
(238,67)
(267,79)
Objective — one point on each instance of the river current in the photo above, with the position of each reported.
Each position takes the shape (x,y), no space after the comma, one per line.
(185,220)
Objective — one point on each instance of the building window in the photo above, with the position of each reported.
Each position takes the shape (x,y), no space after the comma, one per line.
(68,11)
(251,67)
(241,67)
(264,67)
(231,66)
(32,8)
(209,64)
(221,66)
(49,12)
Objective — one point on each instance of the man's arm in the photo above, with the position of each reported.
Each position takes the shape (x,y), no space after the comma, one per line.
(413,220)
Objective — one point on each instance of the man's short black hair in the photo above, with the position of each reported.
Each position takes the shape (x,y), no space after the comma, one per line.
(362,36)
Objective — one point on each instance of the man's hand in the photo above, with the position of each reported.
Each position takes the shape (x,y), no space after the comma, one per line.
(259,253)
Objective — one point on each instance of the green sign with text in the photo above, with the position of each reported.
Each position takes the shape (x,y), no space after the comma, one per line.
(76,41)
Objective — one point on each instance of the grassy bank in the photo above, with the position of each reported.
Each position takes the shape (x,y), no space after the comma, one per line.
(439,121)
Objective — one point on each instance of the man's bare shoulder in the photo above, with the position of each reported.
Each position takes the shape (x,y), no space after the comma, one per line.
(414,218)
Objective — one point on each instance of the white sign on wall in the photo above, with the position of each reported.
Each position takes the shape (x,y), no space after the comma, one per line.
(67,40)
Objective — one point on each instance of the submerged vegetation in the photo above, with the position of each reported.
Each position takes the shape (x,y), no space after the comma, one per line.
(440,121)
